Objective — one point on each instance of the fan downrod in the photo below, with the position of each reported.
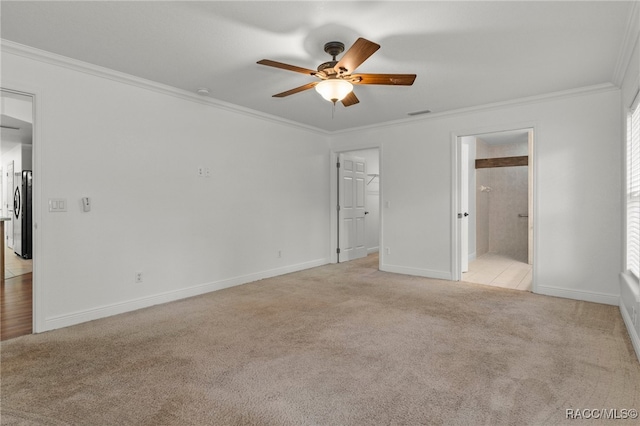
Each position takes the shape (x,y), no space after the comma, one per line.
(333,48)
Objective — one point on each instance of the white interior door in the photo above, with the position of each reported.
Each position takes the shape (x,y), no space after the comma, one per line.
(9,203)
(464,207)
(351,214)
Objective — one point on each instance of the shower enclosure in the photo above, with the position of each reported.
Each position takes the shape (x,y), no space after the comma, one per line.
(502,202)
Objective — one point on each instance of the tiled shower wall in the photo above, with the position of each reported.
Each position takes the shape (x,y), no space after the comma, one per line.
(499,228)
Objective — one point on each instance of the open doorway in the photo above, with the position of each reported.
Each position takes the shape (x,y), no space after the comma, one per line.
(16,161)
(496,229)
(356,221)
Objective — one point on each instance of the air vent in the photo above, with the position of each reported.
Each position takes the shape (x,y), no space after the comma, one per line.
(426,111)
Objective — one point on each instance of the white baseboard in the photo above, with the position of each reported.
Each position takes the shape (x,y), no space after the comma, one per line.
(587,296)
(427,273)
(633,333)
(74,318)
(373,250)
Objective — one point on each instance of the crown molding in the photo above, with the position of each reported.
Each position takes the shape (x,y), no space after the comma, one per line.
(29,52)
(107,73)
(581,91)
(632,34)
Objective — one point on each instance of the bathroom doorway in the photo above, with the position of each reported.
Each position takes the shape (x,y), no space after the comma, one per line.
(496,182)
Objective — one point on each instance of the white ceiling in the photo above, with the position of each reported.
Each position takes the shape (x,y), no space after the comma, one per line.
(464,53)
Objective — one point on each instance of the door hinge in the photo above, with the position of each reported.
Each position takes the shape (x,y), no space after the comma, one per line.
(338,250)
(338,164)
(338,207)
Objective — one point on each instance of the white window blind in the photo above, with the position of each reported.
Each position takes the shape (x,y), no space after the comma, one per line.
(633,192)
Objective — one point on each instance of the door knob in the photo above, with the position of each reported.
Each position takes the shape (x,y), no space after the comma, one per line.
(466,214)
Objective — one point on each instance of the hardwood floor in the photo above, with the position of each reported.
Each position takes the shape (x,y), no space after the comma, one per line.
(16,308)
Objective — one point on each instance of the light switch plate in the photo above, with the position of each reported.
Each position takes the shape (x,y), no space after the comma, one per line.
(57,205)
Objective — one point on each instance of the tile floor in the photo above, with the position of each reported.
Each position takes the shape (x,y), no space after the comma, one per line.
(15,265)
(499,270)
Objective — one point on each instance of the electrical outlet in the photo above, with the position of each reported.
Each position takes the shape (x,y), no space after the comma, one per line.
(388,250)
(138,277)
(279,253)
(200,171)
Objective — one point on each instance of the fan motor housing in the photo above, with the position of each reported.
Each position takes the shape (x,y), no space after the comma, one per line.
(328,66)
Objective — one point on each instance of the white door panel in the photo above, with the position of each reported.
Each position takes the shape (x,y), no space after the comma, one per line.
(360,234)
(352,241)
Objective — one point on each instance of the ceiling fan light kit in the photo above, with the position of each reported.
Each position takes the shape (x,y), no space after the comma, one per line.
(337,78)
(334,90)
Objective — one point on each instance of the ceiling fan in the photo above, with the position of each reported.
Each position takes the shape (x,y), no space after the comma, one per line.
(337,76)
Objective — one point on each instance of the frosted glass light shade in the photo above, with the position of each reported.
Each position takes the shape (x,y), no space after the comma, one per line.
(334,90)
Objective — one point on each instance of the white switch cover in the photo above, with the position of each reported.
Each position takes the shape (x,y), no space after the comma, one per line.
(57,205)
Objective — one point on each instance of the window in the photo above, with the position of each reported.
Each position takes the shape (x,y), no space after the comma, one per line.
(633,191)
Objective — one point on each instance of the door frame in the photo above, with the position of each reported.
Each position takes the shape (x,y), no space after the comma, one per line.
(456,194)
(333,198)
(35,93)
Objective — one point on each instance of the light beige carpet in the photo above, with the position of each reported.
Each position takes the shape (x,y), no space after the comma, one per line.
(335,345)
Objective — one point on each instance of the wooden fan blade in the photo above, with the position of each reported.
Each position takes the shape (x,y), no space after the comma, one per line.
(356,55)
(296,90)
(350,99)
(388,79)
(288,67)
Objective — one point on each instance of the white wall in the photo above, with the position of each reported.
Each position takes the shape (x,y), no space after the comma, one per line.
(21,157)
(135,152)
(578,186)
(17,107)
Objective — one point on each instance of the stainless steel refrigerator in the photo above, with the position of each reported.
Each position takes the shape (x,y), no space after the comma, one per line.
(23,214)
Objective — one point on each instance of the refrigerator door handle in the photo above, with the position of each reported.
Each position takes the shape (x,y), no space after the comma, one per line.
(16,203)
